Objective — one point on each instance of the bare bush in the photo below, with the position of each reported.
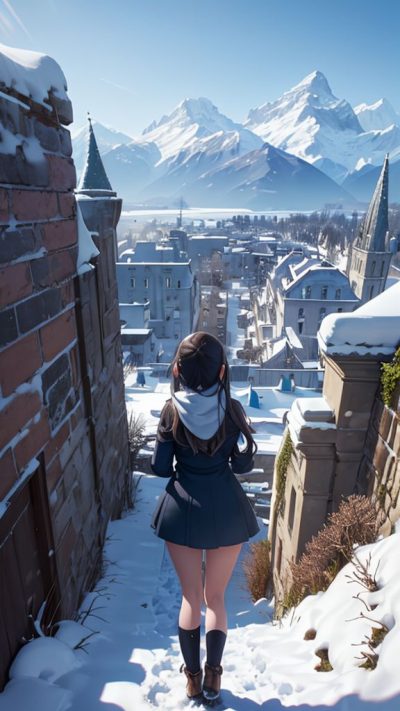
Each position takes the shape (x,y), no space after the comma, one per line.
(257,569)
(352,525)
(136,433)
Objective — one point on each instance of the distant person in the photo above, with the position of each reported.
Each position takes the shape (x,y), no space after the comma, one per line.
(203,506)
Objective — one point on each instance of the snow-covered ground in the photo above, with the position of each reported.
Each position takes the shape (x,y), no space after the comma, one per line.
(267,421)
(130,657)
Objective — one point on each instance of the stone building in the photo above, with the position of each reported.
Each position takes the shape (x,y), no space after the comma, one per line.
(302,290)
(161,275)
(63,428)
(370,255)
(333,445)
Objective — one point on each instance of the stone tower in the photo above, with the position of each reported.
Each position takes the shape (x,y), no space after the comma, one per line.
(369,256)
(102,212)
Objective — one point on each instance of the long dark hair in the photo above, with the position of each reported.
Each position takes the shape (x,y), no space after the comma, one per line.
(198,361)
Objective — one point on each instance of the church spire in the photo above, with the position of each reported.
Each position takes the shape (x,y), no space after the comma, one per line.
(373,236)
(94,177)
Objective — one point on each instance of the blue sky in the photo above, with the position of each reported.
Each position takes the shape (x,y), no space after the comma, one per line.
(130,61)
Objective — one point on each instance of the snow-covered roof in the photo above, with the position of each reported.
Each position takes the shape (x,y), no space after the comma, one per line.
(373,329)
(33,75)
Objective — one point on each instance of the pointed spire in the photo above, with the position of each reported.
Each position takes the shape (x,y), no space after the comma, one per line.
(373,236)
(94,177)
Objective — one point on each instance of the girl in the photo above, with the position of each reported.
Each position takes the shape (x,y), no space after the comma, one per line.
(204,506)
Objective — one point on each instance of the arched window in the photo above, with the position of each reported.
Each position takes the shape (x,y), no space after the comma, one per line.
(300,320)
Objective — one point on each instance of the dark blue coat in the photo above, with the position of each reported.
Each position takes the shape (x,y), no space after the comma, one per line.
(203,505)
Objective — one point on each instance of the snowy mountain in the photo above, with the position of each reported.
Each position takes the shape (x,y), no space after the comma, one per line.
(310,122)
(263,179)
(361,183)
(377,116)
(196,126)
(200,154)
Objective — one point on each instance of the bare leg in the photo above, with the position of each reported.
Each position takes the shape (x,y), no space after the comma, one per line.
(220,563)
(187,563)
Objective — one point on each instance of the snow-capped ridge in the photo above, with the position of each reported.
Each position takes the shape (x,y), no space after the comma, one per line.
(312,123)
(377,116)
(316,81)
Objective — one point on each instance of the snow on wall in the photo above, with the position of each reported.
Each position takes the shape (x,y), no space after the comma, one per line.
(86,247)
(31,74)
(373,329)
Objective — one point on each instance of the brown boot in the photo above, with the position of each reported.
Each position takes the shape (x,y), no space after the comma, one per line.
(193,684)
(212,682)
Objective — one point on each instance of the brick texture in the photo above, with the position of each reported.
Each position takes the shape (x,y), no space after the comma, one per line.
(19,362)
(15,283)
(57,235)
(56,335)
(54,268)
(56,443)
(16,414)
(34,311)
(62,175)
(67,205)
(32,443)
(33,205)
(3,205)
(8,473)
(17,243)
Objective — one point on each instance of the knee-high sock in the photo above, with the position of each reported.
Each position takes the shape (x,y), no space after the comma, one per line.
(189,641)
(215,643)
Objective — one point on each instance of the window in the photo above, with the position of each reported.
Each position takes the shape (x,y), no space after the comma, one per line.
(306,292)
(168,282)
(371,292)
(382,268)
(339,310)
(146,283)
(300,320)
(373,265)
(338,294)
(132,282)
(292,507)
(179,284)
(324,292)
(279,556)
(322,314)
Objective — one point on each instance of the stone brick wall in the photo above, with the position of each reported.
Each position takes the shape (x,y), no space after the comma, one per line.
(62,412)
(381,465)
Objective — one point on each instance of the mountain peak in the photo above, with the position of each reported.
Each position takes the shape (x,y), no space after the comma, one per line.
(315,82)
(197,105)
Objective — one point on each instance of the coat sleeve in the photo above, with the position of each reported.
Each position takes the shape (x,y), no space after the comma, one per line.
(241,462)
(162,459)
(163,455)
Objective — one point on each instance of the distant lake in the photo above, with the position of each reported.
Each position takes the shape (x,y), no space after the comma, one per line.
(200,213)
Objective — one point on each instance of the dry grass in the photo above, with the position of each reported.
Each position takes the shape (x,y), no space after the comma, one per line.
(257,569)
(353,524)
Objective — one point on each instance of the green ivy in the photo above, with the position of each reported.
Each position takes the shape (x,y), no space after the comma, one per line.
(390,377)
(281,468)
